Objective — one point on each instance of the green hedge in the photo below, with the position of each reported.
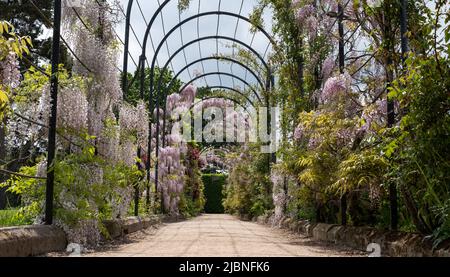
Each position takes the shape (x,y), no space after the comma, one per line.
(214,184)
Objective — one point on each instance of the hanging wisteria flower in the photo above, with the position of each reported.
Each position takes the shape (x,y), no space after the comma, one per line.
(304,12)
(328,67)
(189,93)
(298,132)
(314,142)
(9,71)
(72,108)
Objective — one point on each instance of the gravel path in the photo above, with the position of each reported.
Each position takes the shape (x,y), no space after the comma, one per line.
(220,236)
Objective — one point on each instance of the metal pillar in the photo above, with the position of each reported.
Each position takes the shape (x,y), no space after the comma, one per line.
(343,200)
(52,119)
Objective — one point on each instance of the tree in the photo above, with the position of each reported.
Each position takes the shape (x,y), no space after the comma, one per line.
(134,95)
(31,18)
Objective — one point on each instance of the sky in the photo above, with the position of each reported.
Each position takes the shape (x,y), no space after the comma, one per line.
(188,32)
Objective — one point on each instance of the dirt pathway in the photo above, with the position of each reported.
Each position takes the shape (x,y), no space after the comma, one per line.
(221,236)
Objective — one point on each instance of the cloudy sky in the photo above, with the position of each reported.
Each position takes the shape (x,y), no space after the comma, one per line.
(207,27)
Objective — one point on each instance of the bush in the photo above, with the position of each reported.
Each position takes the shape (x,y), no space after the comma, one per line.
(214,185)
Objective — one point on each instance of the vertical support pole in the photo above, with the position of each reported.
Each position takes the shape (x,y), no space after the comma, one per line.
(272,86)
(126,48)
(268,117)
(393,198)
(52,119)
(142,59)
(343,201)
(404,30)
(157,98)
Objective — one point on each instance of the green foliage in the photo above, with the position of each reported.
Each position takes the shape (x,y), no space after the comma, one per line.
(360,170)
(421,146)
(134,94)
(86,187)
(192,201)
(214,186)
(249,190)
(10,42)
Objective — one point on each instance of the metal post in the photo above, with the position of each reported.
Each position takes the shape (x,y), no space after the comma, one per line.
(343,201)
(126,47)
(404,29)
(268,118)
(142,59)
(393,199)
(52,119)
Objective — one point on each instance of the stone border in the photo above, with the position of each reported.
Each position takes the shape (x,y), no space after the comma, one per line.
(393,244)
(121,227)
(31,240)
(34,240)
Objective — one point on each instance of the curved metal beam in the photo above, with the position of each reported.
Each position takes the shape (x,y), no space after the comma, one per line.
(215,58)
(164,69)
(223,87)
(225,74)
(152,73)
(161,7)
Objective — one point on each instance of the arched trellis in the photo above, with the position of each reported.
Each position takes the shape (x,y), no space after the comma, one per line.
(215,149)
(171,83)
(142,60)
(54,86)
(268,86)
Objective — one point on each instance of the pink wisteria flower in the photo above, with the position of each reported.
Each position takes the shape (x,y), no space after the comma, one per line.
(305,12)
(298,132)
(335,86)
(9,71)
(328,66)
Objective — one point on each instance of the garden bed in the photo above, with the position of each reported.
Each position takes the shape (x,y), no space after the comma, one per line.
(36,240)
(393,244)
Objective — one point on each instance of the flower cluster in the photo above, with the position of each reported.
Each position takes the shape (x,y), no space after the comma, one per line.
(335,87)
(171,171)
(9,71)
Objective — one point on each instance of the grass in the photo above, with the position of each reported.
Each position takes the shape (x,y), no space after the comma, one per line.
(8,218)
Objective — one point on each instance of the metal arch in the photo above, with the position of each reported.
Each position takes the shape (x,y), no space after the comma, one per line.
(143,58)
(215,58)
(152,72)
(268,86)
(211,87)
(232,89)
(161,7)
(221,73)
